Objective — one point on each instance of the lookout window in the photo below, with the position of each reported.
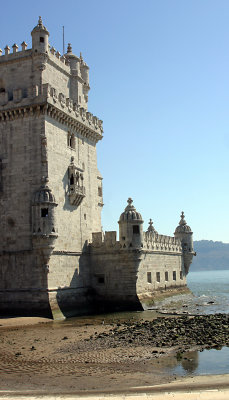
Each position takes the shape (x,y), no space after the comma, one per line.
(101,279)
(166,276)
(44,212)
(181,275)
(71,141)
(174,276)
(158,276)
(42,39)
(72,180)
(100,192)
(136,229)
(149,277)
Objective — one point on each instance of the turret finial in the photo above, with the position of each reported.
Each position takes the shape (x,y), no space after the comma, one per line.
(40,23)
(69,49)
(182,220)
(151,227)
(129,201)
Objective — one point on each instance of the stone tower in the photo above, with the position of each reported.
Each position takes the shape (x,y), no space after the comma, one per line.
(184,233)
(131,227)
(50,187)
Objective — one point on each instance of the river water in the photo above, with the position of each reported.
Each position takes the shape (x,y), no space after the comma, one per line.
(210,295)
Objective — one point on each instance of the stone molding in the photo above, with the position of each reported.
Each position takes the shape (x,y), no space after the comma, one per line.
(80,124)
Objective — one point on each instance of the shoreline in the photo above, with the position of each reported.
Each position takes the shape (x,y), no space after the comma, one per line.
(99,359)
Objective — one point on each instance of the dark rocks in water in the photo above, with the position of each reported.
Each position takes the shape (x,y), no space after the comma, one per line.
(211,331)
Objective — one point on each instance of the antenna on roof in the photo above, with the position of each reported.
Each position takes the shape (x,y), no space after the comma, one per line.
(63,42)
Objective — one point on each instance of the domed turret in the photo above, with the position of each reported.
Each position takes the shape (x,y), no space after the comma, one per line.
(184,233)
(130,227)
(44,205)
(40,38)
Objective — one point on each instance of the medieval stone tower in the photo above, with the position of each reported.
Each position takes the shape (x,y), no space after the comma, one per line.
(54,258)
(50,187)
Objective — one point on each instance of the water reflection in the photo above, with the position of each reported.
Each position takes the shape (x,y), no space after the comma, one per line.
(206,362)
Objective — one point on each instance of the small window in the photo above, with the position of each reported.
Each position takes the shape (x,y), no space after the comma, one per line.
(149,277)
(72,180)
(71,141)
(124,238)
(42,39)
(44,212)
(158,276)
(100,279)
(174,276)
(100,192)
(85,216)
(181,275)
(166,276)
(136,229)
(2,90)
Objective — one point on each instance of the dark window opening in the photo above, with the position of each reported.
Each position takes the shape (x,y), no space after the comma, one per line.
(44,212)
(100,192)
(42,39)
(174,276)
(130,245)
(166,276)
(85,216)
(39,230)
(101,279)
(181,275)
(53,230)
(149,277)
(123,238)
(136,229)
(2,90)
(158,276)
(72,180)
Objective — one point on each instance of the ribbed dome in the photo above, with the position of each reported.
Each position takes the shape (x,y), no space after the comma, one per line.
(44,194)
(39,27)
(183,227)
(130,213)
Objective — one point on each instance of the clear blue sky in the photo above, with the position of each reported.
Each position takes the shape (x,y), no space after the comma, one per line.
(159,76)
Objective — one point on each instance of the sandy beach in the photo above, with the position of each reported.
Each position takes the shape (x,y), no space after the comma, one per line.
(42,357)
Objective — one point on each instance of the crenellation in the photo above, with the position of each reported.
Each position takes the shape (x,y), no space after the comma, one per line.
(24,46)
(51,191)
(7,50)
(15,48)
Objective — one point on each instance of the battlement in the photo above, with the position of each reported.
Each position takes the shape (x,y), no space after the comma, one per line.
(151,242)
(21,98)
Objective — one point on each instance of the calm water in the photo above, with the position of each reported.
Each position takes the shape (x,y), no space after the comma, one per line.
(210,295)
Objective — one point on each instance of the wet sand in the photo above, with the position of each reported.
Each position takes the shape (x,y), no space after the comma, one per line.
(62,358)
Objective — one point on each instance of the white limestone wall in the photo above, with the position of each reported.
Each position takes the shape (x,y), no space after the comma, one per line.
(55,78)
(16,72)
(20,151)
(154,267)
(75,224)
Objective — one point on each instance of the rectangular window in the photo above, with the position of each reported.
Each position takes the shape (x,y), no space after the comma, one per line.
(181,275)
(42,39)
(174,276)
(44,212)
(166,276)
(101,279)
(158,276)
(136,229)
(149,278)
(100,191)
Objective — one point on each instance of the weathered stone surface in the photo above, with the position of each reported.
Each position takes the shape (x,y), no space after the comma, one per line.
(54,256)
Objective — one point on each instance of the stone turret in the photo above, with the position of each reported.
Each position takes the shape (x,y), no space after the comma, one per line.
(131,227)
(43,220)
(184,233)
(40,38)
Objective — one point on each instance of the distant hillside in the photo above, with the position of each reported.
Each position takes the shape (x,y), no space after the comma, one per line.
(210,255)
